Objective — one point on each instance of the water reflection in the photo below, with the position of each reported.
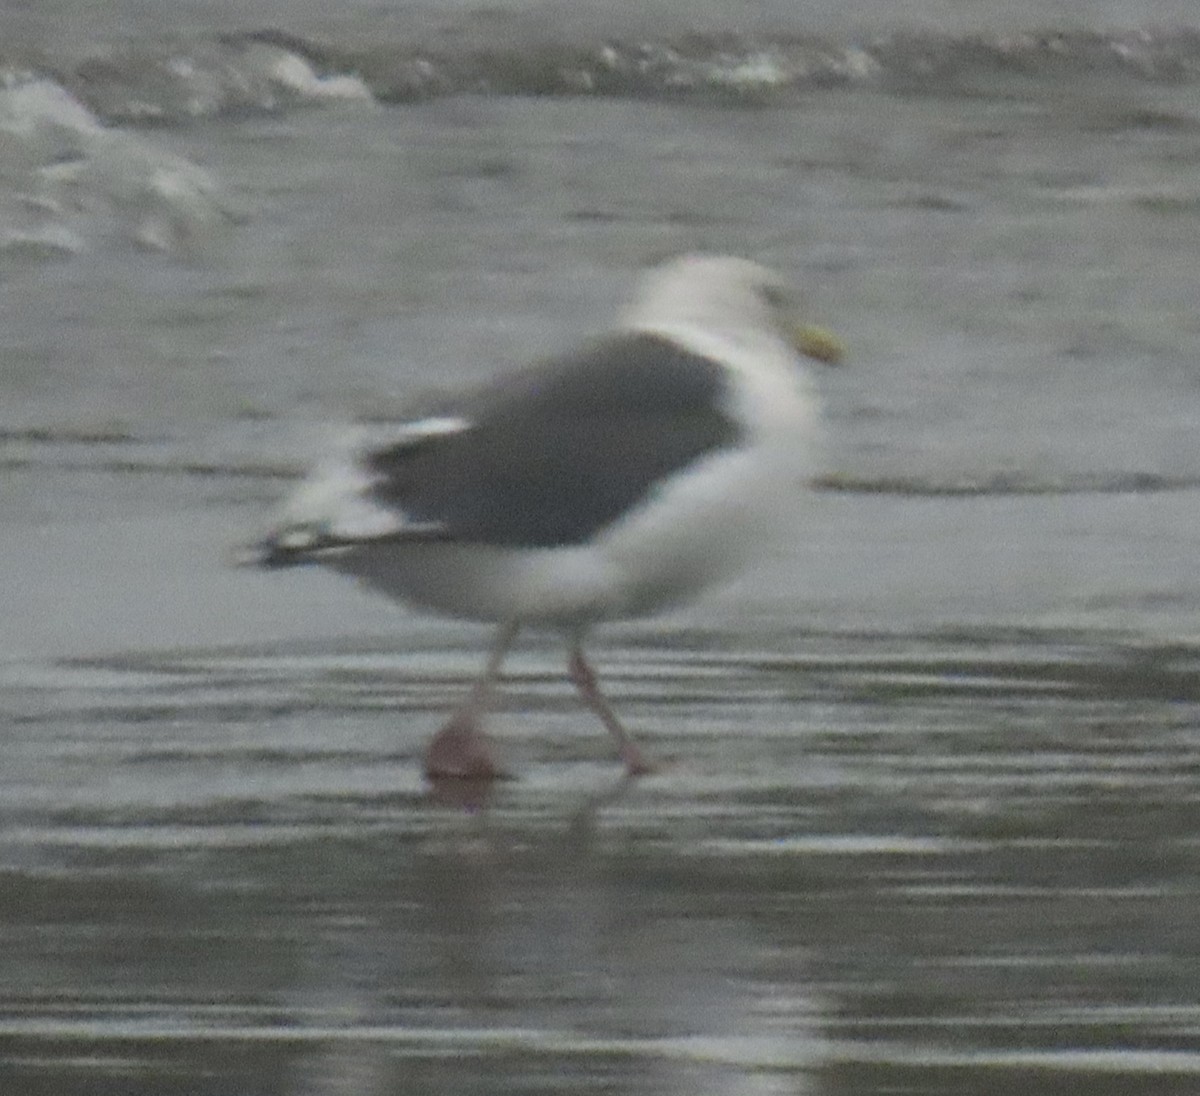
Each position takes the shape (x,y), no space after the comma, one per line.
(874,872)
(506,961)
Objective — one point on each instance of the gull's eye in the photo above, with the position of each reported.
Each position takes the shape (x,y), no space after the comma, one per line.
(778,299)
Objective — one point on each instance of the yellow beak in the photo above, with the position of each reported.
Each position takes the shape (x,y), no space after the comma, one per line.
(817,342)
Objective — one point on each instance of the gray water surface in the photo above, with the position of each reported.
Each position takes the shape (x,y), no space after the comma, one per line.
(927,819)
(958,863)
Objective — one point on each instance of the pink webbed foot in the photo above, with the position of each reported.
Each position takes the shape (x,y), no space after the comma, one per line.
(461,751)
(584,678)
(638,764)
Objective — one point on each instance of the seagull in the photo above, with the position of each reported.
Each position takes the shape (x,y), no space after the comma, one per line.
(608,483)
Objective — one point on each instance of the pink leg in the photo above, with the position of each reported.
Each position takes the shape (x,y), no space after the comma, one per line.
(460,749)
(584,679)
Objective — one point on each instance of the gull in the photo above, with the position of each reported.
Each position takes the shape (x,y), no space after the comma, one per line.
(611,482)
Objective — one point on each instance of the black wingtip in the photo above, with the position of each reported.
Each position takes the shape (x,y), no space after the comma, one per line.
(269,555)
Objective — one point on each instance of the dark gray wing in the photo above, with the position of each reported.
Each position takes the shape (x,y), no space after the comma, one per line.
(558,451)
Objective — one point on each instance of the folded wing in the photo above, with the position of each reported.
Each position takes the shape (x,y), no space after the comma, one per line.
(547,457)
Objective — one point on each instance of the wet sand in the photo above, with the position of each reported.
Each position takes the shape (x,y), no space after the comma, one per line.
(935,858)
(928,822)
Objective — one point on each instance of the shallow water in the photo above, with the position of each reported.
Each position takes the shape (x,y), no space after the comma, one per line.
(927,818)
(936,863)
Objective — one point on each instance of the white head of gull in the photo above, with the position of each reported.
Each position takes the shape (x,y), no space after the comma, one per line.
(607,483)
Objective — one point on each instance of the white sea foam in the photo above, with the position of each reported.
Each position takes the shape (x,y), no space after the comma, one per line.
(70,181)
(295,75)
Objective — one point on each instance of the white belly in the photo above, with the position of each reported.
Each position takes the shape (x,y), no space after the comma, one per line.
(696,531)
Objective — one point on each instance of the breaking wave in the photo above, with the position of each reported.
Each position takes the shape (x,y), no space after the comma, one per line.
(68,179)
(273,70)
(81,162)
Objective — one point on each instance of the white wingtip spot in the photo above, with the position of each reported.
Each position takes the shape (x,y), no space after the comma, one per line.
(296,538)
(436,426)
(336,501)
